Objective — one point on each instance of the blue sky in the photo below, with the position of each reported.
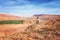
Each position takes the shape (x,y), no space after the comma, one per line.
(29,7)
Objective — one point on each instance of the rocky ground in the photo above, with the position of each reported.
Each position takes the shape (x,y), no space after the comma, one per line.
(48,28)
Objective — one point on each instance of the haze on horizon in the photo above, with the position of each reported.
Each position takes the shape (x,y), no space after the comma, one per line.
(29,7)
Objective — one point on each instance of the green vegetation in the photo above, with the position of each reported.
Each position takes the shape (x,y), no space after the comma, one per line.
(11,22)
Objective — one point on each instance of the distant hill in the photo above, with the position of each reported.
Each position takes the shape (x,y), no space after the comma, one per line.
(8,17)
(45,15)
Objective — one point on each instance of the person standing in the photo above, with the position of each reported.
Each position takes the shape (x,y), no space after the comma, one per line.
(37,21)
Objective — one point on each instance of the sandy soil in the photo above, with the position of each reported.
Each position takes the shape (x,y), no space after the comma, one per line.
(48,28)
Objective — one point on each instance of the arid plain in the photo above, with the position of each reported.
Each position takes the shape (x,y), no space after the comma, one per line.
(37,27)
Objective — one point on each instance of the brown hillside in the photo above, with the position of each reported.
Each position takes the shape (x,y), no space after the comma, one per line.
(45,27)
(8,17)
(6,29)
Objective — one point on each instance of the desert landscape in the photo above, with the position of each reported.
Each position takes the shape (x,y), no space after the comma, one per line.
(36,27)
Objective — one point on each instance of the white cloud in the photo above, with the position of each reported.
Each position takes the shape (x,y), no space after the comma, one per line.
(29,9)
